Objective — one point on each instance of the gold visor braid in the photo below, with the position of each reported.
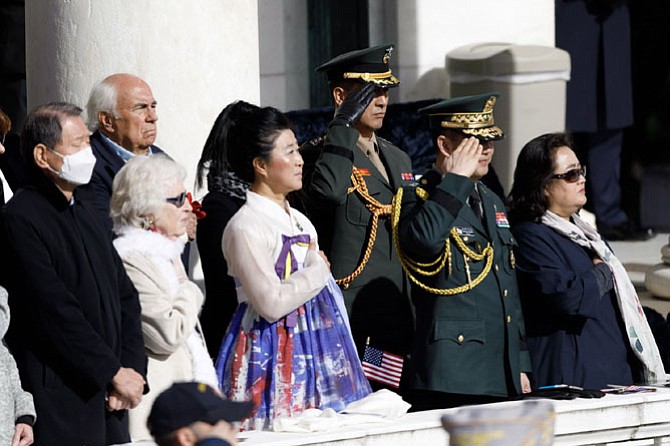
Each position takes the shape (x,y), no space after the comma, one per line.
(386,77)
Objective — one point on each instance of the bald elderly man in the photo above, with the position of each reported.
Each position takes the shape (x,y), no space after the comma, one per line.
(122,115)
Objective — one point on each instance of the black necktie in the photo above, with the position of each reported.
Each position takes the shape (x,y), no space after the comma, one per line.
(475,203)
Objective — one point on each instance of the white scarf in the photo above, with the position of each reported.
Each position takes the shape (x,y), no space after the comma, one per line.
(163,251)
(637,328)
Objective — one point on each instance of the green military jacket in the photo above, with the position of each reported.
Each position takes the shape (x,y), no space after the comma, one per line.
(378,299)
(471,342)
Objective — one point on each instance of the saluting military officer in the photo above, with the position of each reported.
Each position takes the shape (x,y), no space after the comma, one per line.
(455,243)
(350,178)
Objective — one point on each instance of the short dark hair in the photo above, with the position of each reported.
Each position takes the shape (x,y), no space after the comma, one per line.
(44,126)
(241,132)
(534,168)
(448,133)
(346,84)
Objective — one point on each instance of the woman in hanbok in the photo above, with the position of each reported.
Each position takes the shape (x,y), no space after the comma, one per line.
(288,346)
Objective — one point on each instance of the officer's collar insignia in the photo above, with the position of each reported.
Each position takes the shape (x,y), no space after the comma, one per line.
(501,220)
(464,231)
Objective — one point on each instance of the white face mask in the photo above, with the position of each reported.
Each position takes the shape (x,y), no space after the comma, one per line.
(77,168)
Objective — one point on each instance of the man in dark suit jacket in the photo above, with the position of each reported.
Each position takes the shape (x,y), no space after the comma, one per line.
(351,176)
(122,112)
(456,244)
(75,331)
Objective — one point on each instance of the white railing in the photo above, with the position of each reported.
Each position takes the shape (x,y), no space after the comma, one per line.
(637,419)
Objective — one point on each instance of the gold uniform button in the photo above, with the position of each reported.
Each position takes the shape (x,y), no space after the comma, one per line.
(508,319)
(460,338)
(465,239)
(505,293)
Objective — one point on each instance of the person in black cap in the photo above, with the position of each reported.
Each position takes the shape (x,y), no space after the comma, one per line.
(192,413)
(456,246)
(350,177)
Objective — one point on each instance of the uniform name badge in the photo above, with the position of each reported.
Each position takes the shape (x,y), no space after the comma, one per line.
(501,220)
(464,231)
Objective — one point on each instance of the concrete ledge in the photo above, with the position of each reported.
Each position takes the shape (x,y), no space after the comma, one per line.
(638,419)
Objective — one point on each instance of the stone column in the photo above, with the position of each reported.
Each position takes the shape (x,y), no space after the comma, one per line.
(196,56)
(284,55)
(657,278)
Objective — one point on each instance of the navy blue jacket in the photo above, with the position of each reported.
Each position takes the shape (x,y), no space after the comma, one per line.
(575,335)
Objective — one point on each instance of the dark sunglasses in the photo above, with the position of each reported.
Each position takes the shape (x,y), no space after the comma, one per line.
(572,175)
(178,201)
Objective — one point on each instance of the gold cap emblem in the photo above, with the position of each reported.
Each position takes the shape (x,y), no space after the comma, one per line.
(387,55)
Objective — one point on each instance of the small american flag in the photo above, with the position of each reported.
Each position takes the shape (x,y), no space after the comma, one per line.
(382,367)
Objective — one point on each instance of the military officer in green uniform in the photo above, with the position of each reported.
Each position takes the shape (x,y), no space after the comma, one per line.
(350,178)
(456,245)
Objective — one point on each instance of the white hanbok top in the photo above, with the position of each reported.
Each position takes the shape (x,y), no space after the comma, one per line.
(252,242)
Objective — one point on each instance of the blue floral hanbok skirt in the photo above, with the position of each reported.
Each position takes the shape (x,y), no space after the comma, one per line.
(307,359)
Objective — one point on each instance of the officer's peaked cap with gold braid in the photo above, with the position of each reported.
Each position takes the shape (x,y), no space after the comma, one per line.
(366,65)
(470,115)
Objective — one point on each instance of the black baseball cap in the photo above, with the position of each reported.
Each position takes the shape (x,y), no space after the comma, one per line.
(187,402)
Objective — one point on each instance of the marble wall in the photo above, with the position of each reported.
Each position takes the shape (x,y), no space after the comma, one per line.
(424,32)
(196,59)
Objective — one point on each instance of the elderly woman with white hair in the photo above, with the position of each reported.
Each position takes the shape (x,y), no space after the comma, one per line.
(150,212)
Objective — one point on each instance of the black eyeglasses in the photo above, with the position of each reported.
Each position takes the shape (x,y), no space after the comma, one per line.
(178,201)
(572,175)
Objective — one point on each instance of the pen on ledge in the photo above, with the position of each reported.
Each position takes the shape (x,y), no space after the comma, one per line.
(560,386)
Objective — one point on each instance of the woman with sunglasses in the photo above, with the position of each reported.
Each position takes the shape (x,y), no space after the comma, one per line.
(584,323)
(150,213)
